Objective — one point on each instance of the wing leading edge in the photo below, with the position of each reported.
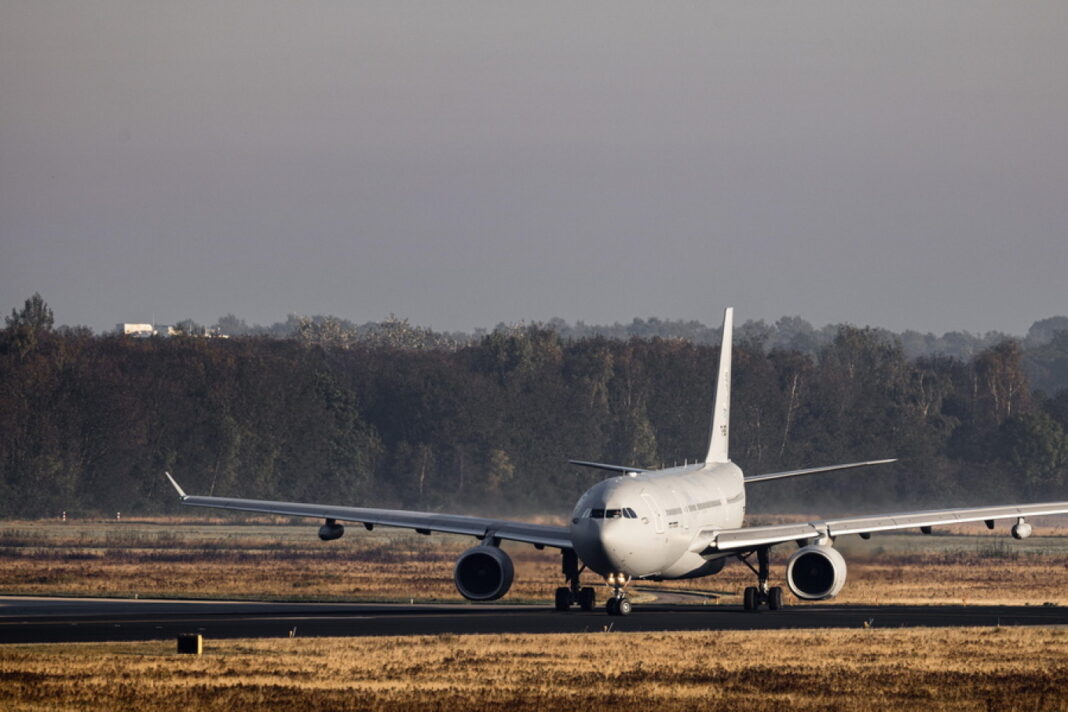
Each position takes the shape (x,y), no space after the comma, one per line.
(747,538)
(540,535)
(815,470)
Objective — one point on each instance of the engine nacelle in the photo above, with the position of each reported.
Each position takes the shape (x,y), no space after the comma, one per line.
(816,572)
(483,573)
(1021,530)
(331,530)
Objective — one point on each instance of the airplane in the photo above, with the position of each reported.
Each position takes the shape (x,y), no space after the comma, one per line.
(680,522)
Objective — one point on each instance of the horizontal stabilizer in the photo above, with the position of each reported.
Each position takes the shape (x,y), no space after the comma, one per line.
(610,468)
(814,470)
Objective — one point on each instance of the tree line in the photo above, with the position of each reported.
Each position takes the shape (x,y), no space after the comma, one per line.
(88,423)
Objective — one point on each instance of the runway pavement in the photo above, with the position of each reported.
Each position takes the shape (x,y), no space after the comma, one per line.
(45,620)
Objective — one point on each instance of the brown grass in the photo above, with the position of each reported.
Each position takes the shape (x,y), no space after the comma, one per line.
(929,669)
(265,561)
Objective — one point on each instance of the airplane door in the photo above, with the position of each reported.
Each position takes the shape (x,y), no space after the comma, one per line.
(658,513)
(684,514)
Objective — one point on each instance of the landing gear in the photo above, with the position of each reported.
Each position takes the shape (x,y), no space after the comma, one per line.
(761,595)
(574,593)
(749,598)
(618,604)
(774,598)
(587,598)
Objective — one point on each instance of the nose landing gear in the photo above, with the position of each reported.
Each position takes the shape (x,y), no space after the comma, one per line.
(618,604)
(762,594)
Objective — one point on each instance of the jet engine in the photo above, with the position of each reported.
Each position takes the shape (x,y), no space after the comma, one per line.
(816,572)
(483,573)
(331,530)
(1021,529)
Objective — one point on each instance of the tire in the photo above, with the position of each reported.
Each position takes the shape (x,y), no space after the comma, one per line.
(563,598)
(624,607)
(775,599)
(587,599)
(749,598)
(612,606)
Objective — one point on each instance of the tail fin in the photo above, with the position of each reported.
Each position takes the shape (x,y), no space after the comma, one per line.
(721,410)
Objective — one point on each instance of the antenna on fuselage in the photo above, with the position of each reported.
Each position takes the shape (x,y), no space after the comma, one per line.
(721,408)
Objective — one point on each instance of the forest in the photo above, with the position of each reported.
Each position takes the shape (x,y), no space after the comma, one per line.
(409,418)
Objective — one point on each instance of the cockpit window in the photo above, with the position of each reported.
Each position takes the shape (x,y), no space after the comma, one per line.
(625,513)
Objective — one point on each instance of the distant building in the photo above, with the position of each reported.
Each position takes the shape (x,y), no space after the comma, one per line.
(137,330)
(143,331)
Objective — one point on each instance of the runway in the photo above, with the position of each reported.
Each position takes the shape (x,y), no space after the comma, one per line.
(54,620)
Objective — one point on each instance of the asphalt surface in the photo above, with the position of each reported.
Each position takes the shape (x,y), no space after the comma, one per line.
(53,620)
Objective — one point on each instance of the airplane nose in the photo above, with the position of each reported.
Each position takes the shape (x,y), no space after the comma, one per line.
(597,544)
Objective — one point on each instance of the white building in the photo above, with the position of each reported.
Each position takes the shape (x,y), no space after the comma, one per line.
(143,331)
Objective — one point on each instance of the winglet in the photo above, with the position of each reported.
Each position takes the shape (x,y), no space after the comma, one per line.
(181,493)
(721,411)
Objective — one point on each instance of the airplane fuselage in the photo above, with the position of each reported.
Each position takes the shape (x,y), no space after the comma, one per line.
(644,525)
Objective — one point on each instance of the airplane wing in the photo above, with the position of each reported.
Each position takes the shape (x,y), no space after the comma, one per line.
(622,469)
(540,535)
(814,470)
(711,542)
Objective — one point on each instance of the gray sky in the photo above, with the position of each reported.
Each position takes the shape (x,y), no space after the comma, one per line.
(900,164)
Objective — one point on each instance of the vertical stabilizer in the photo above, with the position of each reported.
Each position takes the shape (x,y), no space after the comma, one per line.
(721,409)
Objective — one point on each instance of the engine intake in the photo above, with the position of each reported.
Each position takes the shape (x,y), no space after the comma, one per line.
(816,572)
(483,573)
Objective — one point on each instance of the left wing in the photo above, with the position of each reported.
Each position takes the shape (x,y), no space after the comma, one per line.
(540,535)
(710,542)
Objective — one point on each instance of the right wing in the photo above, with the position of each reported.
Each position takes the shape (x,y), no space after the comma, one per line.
(540,535)
(748,538)
(814,470)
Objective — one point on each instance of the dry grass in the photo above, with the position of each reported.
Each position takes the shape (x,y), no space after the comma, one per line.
(929,669)
(264,561)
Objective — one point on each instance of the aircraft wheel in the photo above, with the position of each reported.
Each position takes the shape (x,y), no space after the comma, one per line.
(624,607)
(612,606)
(563,598)
(775,598)
(749,598)
(587,598)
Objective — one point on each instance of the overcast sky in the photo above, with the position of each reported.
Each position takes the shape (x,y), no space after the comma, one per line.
(900,164)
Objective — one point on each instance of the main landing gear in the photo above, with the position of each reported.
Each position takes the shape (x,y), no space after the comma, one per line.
(761,594)
(574,593)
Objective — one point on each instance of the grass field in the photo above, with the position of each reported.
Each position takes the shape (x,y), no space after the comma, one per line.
(932,669)
(262,560)
(928,669)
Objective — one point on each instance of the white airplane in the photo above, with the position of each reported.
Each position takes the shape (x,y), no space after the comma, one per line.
(675,523)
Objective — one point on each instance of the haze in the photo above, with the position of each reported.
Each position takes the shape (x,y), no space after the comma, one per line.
(461,164)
